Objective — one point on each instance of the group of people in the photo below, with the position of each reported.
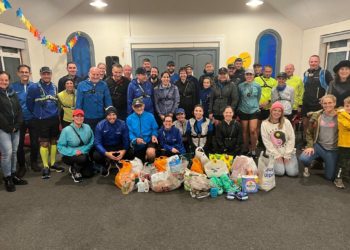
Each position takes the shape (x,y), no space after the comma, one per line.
(108,118)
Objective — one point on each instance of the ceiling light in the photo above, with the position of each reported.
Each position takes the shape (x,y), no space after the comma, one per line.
(254,3)
(98,4)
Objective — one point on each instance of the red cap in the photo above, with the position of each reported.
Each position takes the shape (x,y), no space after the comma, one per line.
(78,112)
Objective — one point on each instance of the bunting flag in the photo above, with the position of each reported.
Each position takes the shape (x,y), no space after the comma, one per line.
(53,47)
(4,5)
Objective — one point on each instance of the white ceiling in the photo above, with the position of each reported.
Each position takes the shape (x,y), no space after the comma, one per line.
(303,13)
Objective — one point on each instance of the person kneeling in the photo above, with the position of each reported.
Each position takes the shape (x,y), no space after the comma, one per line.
(74,144)
(169,138)
(279,139)
(111,141)
(143,131)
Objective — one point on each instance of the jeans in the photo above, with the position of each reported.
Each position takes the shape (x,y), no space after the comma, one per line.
(290,169)
(329,157)
(8,148)
(34,142)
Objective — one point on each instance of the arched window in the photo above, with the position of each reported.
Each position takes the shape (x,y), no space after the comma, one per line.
(82,54)
(268,49)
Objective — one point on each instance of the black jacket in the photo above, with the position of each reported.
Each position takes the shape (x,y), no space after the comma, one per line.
(228,138)
(11,111)
(340,90)
(188,96)
(62,81)
(119,92)
(238,77)
(222,97)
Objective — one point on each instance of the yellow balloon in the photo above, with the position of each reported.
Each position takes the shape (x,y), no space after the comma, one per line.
(247,59)
(231,60)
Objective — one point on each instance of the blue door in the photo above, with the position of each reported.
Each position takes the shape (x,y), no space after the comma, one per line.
(81,56)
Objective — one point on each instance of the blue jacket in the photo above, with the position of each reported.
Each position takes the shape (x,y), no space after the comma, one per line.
(42,100)
(69,142)
(141,126)
(21,91)
(169,139)
(145,90)
(204,99)
(174,78)
(108,134)
(93,99)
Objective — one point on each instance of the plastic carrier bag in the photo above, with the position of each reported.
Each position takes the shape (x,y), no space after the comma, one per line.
(188,177)
(125,179)
(197,166)
(266,172)
(164,182)
(215,168)
(200,154)
(242,165)
(161,163)
(228,159)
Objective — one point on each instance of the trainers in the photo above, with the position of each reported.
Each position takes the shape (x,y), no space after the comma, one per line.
(18,181)
(339,183)
(230,196)
(57,168)
(105,170)
(306,172)
(46,173)
(9,185)
(241,196)
(76,177)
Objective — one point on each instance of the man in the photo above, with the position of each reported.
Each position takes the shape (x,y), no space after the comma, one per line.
(111,141)
(72,74)
(42,102)
(21,89)
(146,64)
(191,77)
(103,70)
(143,132)
(297,84)
(75,144)
(118,88)
(267,83)
(208,72)
(316,81)
(257,67)
(140,87)
(154,78)
(127,71)
(93,98)
(171,69)
(239,75)
(224,93)
(231,71)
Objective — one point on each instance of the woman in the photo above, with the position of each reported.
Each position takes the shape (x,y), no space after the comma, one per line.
(181,124)
(187,91)
(340,86)
(284,94)
(199,130)
(279,139)
(169,138)
(204,94)
(74,144)
(248,111)
(228,134)
(224,92)
(10,122)
(66,100)
(322,138)
(166,97)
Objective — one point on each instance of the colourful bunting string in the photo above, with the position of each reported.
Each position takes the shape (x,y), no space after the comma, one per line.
(53,47)
(4,5)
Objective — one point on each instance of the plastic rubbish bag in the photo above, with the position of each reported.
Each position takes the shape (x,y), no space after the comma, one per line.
(242,165)
(266,173)
(164,182)
(215,168)
(200,154)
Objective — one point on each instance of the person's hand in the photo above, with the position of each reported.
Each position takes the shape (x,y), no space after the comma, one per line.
(162,117)
(299,109)
(154,139)
(263,105)
(121,154)
(211,116)
(78,152)
(216,122)
(309,151)
(171,114)
(110,155)
(140,141)
(174,150)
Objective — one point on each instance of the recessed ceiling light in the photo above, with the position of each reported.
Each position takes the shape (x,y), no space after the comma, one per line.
(254,3)
(98,4)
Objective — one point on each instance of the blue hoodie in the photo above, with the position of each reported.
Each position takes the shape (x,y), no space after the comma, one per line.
(144,90)
(21,91)
(93,99)
(108,134)
(42,100)
(141,126)
(169,139)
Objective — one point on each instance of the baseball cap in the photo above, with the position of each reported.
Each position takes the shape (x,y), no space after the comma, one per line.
(137,102)
(249,71)
(282,75)
(45,69)
(180,111)
(141,71)
(223,70)
(78,112)
(170,63)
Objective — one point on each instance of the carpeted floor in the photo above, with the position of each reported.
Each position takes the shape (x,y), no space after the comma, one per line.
(59,214)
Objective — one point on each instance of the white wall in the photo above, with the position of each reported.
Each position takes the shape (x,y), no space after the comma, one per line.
(231,23)
(33,54)
(311,40)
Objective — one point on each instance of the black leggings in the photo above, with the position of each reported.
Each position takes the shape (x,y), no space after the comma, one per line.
(80,163)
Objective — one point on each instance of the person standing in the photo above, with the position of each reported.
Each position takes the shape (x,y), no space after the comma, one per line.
(127,72)
(10,123)
(93,98)
(66,100)
(72,74)
(174,77)
(21,89)
(340,86)
(297,84)
(154,78)
(118,88)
